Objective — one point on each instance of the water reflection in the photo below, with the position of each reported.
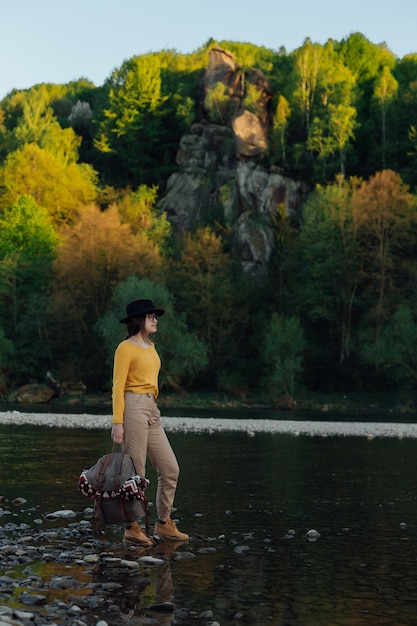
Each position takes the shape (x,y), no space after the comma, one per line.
(248,503)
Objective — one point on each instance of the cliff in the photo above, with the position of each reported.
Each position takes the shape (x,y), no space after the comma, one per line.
(221,173)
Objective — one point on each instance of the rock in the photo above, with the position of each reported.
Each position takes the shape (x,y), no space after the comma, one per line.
(65,513)
(24,615)
(34,393)
(5,620)
(220,168)
(207,550)
(19,501)
(290,534)
(241,549)
(312,535)
(129,564)
(250,128)
(184,556)
(150,560)
(251,197)
(32,599)
(250,134)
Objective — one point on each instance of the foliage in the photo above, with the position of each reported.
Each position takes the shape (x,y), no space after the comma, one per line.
(27,246)
(26,228)
(280,127)
(138,209)
(6,358)
(396,348)
(329,266)
(217,103)
(96,254)
(82,170)
(138,113)
(204,277)
(61,188)
(283,357)
(384,212)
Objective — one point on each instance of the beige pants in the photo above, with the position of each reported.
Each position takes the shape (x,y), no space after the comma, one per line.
(144,436)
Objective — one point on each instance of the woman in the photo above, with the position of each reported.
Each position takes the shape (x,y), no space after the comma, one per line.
(137,419)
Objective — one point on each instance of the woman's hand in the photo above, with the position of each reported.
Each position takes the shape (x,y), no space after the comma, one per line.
(117,433)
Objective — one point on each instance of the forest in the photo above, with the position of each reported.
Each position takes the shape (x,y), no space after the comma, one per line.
(83,168)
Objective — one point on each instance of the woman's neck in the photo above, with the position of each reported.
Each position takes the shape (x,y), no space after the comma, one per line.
(141,340)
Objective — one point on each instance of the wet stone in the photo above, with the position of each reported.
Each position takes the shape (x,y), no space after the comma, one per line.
(33,600)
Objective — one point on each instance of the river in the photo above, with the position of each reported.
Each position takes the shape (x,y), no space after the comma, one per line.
(248,501)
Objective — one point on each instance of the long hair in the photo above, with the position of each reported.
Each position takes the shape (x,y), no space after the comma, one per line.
(136,325)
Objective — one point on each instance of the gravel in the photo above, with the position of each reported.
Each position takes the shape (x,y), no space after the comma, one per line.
(211,425)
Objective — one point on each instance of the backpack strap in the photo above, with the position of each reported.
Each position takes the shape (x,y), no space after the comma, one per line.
(146,507)
(97,510)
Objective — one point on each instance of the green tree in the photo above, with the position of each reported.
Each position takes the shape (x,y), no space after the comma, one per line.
(402,141)
(329,266)
(364,58)
(283,350)
(280,127)
(333,124)
(217,103)
(396,348)
(137,123)
(253,100)
(138,209)
(366,61)
(63,189)
(307,66)
(37,117)
(27,247)
(385,90)
(38,124)
(6,358)
(342,123)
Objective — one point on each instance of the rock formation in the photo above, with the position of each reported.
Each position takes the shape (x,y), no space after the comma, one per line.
(221,171)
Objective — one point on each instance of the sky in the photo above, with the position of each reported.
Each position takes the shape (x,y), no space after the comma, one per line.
(52,41)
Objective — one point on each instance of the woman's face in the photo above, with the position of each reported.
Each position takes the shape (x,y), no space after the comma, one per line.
(151,322)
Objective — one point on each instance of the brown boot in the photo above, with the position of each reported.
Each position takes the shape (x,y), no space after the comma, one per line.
(169,531)
(135,534)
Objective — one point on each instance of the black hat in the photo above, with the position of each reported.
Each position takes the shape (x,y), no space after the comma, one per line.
(140,307)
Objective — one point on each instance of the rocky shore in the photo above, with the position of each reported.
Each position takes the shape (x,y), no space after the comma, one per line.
(90,584)
(93,583)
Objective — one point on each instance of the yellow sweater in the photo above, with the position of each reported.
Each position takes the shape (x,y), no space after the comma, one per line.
(135,369)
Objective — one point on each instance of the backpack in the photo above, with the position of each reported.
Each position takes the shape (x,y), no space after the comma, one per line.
(117,490)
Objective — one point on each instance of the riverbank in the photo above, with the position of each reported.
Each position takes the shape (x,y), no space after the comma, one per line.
(386,402)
